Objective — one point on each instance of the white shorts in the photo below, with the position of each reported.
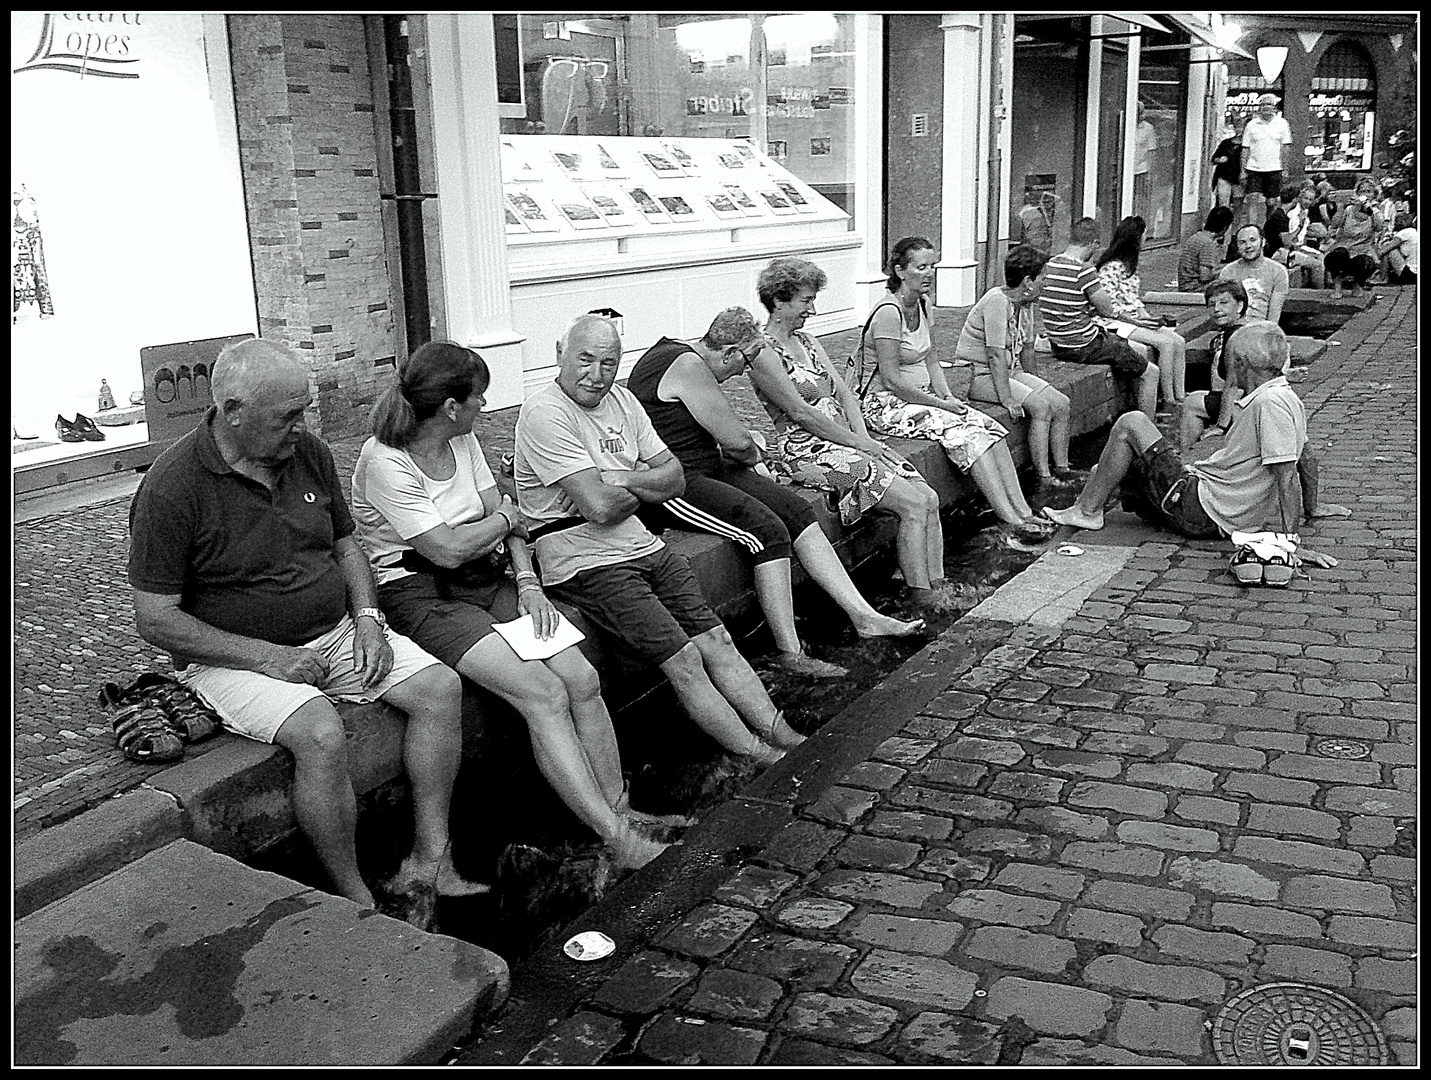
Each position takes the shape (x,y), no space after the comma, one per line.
(258,705)
(1022,386)
(1123,329)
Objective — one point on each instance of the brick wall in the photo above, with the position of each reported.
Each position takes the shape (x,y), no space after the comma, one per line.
(308,154)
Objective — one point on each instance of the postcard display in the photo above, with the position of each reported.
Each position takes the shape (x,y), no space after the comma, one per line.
(591,198)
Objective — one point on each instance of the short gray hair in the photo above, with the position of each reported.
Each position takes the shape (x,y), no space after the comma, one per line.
(245,368)
(733,326)
(1260,345)
(585,324)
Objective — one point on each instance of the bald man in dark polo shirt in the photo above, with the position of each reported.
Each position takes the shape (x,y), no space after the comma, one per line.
(245,566)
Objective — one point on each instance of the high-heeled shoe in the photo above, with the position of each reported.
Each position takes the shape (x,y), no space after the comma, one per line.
(66,431)
(87,428)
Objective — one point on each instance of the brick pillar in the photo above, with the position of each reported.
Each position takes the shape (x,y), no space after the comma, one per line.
(309,158)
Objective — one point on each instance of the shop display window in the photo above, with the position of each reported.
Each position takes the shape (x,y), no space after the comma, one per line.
(1159,133)
(781,82)
(1341,114)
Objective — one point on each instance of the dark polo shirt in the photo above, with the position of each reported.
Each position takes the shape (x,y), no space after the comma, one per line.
(242,558)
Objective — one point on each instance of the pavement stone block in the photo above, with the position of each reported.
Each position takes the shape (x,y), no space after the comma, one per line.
(918,980)
(1255,716)
(1109,926)
(955,704)
(755,886)
(1400,1024)
(1287,741)
(1023,690)
(1027,787)
(1394,754)
(1121,743)
(1010,947)
(1219,876)
(1188,729)
(802,844)
(644,982)
(1171,708)
(1045,880)
(1108,858)
(1095,720)
(1072,1052)
(1339,894)
(1170,837)
(688,1040)
(950,864)
(954,773)
(906,825)
(900,751)
(877,853)
(1142,899)
(993,906)
(1171,774)
(1353,727)
(1373,933)
(1023,730)
(1265,920)
(1203,945)
(1371,832)
(1297,820)
(1159,1025)
(790,959)
(1270,788)
(931,937)
(977,807)
(709,930)
(1320,967)
(1084,697)
(807,1052)
(1403,1053)
(937,728)
(938,1038)
(1121,798)
(1202,808)
(1393,868)
(872,887)
(1304,767)
(1012,842)
(1180,673)
(873,775)
(993,751)
(847,1020)
(583,1039)
(1079,763)
(1221,755)
(1172,982)
(1300,854)
(735,995)
(814,913)
(1064,822)
(1049,1007)
(1371,800)
(842,805)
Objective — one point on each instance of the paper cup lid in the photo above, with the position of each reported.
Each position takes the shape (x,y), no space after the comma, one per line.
(591,945)
(1069,549)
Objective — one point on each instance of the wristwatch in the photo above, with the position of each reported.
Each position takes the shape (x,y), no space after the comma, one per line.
(372,613)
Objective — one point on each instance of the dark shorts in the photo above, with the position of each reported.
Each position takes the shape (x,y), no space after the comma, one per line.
(1404,276)
(652,604)
(1212,404)
(1164,491)
(758,515)
(1264,183)
(1108,349)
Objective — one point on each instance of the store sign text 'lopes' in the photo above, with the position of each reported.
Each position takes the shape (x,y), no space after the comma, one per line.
(94,43)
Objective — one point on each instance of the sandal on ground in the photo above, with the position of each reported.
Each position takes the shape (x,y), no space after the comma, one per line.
(142,733)
(1246,567)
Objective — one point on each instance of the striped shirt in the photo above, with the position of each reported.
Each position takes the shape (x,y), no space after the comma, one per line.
(1067,311)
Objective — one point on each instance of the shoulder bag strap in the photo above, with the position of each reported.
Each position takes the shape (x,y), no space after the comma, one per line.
(861,390)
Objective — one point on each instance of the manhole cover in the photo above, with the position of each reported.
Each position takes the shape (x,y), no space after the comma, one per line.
(1342,748)
(1295,1024)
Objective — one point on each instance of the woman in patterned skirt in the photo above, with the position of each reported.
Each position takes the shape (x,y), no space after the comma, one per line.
(821,440)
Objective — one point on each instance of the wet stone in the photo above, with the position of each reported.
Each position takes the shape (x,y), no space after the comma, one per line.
(955,704)
(582,1039)
(1070,1052)
(1094,925)
(958,805)
(1140,899)
(1170,981)
(920,980)
(901,751)
(1248,919)
(1026,787)
(1161,1026)
(1079,763)
(951,864)
(644,982)
(1120,743)
(755,886)
(709,930)
(877,888)
(929,727)
(684,1040)
(1020,845)
(1119,797)
(1025,731)
(1317,966)
(792,959)
(1203,945)
(814,913)
(842,805)
(930,937)
(1058,820)
(1370,800)
(805,1052)
(801,844)
(1299,854)
(1112,858)
(905,824)
(873,775)
(735,995)
(839,1019)
(1391,976)
(992,906)
(1202,808)
(1372,832)
(1010,947)
(1218,876)
(938,1038)
(876,853)
(1048,1007)
(1169,837)
(953,773)
(1339,894)
(1297,820)
(1171,774)
(1045,880)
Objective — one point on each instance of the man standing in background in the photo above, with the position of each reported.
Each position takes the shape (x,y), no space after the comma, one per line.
(1262,142)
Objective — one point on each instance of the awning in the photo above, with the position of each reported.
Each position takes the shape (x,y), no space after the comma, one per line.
(1138,18)
(1202,35)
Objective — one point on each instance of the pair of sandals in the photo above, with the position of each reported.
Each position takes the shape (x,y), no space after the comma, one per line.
(1033,531)
(1264,559)
(156,716)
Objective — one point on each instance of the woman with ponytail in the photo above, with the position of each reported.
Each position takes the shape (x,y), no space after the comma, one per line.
(440,537)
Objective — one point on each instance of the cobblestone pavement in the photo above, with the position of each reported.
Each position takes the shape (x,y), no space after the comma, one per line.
(1070,846)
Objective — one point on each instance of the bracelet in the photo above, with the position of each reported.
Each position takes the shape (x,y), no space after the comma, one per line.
(528,587)
(527,575)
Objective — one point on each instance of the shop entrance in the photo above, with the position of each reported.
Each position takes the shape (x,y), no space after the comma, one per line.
(1046,130)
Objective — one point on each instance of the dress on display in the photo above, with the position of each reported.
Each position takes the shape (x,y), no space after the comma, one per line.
(27,257)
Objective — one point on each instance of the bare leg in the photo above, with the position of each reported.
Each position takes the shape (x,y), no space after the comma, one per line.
(1192,419)
(825,569)
(707,706)
(986,473)
(1132,433)
(911,505)
(592,720)
(1148,392)
(1009,478)
(738,683)
(772,588)
(323,799)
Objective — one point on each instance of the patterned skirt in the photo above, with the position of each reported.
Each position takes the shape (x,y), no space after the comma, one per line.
(853,480)
(964,438)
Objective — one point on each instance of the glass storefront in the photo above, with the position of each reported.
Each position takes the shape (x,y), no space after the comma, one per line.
(1341,111)
(1158,138)
(785,82)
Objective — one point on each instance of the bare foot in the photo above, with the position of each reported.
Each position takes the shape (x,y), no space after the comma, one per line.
(933,601)
(1075,517)
(630,850)
(889,626)
(801,663)
(1328,510)
(781,734)
(764,754)
(442,875)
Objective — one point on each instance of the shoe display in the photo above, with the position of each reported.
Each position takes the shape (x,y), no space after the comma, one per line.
(87,428)
(66,431)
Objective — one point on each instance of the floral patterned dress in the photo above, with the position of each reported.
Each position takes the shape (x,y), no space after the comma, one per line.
(1124,292)
(965,438)
(854,481)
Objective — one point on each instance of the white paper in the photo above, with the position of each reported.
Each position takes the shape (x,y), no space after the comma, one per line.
(523,639)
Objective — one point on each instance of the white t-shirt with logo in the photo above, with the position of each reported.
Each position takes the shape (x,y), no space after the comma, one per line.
(1264,140)
(557,438)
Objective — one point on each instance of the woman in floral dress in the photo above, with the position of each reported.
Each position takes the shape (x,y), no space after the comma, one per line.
(1118,274)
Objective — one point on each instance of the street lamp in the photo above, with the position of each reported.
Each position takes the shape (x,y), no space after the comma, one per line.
(1270,59)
